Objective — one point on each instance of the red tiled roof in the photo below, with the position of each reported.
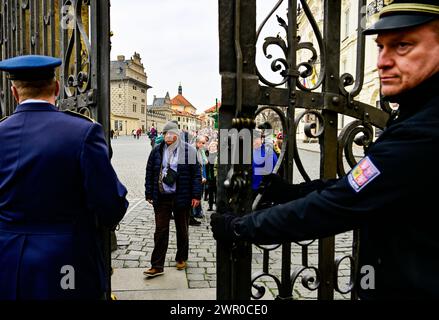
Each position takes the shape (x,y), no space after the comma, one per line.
(184,113)
(179,100)
(213,109)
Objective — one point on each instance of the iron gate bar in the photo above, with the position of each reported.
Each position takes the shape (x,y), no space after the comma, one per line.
(233,271)
(100,24)
(361,55)
(286,290)
(328,141)
(35,35)
(21,18)
(14,25)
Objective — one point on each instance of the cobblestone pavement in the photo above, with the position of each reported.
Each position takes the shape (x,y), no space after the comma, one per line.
(136,233)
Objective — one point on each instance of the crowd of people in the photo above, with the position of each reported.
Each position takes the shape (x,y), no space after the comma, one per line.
(206,144)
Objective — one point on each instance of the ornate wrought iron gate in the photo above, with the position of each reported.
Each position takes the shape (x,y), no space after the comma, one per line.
(244,90)
(78,31)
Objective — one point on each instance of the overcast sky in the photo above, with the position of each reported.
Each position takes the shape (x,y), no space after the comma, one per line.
(177,41)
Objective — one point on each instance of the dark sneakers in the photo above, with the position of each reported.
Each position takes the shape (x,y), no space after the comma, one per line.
(153,272)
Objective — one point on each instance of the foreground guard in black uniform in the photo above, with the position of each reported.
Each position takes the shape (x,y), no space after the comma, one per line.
(392,195)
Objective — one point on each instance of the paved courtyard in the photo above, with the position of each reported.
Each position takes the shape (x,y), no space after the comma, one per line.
(136,234)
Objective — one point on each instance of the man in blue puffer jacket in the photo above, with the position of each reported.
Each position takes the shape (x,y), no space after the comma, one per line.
(172,185)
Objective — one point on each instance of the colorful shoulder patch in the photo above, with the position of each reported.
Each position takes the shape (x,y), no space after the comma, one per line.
(363,174)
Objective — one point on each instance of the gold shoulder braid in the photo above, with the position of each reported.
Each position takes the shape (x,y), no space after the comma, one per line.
(79,115)
(3,119)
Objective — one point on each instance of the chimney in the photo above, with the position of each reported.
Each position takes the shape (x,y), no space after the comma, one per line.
(121,58)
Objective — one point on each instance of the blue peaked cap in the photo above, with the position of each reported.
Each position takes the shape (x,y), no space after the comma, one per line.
(30,67)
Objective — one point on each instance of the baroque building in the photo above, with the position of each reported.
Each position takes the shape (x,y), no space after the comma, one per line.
(184,112)
(159,112)
(348,54)
(177,108)
(129,86)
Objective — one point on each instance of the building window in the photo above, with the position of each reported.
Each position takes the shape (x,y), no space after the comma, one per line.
(120,96)
(134,98)
(143,100)
(143,90)
(143,110)
(179,119)
(118,125)
(134,107)
(135,88)
(120,85)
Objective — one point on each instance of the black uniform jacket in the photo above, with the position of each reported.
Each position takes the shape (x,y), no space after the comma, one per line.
(391,196)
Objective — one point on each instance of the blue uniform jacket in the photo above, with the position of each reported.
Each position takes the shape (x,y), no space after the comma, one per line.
(57,186)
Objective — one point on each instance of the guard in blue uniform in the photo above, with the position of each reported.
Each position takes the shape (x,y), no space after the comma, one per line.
(391,195)
(57,187)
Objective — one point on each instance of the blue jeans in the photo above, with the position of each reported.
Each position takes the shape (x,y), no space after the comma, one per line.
(197,212)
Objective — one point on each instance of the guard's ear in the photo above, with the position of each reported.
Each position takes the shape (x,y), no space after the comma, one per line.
(57,90)
(15,94)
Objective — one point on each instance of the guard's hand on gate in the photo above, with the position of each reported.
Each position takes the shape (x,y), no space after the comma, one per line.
(223,227)
(277,190)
